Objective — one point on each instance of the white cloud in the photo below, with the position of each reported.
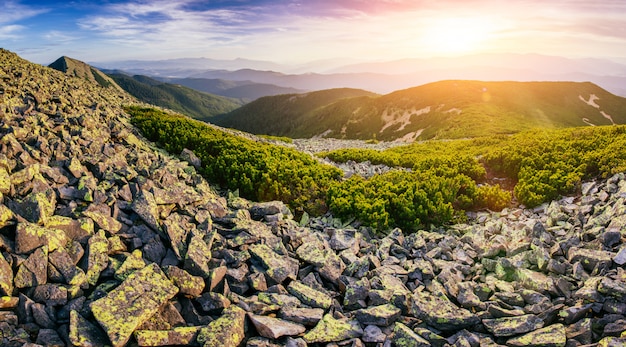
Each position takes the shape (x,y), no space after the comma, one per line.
(12,11)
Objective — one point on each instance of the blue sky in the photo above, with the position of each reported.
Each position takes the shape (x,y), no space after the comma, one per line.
(292,31)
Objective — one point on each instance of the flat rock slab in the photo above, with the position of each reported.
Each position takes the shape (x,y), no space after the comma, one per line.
(330,329)
(509,326)
(274,328)
(133,302)
(383,315)
(404,336)
(552,336)
(279,268)
(440,313)
(228,330)
(181,336)
(309,296)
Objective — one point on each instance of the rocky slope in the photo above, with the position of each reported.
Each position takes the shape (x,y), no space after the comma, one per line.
(105,240)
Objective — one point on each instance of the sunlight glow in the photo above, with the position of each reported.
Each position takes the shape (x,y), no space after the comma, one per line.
(457,35)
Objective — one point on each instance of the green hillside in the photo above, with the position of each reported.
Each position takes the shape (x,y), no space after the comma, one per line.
(198,105)
(441,110)
(281,115)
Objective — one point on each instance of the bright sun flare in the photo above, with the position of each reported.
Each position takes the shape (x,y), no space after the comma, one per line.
(456,35)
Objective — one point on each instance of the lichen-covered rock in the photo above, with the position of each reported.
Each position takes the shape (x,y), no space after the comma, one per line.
(37,207)
(509,326)
(146,207)
(63,263)
(274,328)
(83,333)
(180,336)
(30,236)
(551,336)
(188,285)
(133,302)
(309,296)
(383,315)
(227,330)
(278,267)
(441,313)
(330,329)
(97,257)
(405,337)
(34,271)
(6,277)
(104,222)
(304,316)
(198,256)
(590,259)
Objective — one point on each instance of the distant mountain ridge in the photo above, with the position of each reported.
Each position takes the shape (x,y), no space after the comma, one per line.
(442,110)
(387,76)
(244,90)
(193,103)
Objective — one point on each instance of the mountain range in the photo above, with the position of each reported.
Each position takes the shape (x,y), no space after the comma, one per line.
(387,76)
(441,110)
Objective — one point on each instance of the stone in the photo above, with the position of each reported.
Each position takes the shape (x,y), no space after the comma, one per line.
(373,334)
(6,277)
(403,336)
(133,302)
(104,222)
(34,271)
(63,263)
(213,302)
(309,296)
(188,285)
(37,207)
(620,257)
(51,294)
(30,236)
(97,257)
(304,316)
(278,267)
(590,259)
(49,338)
(551,336)
(227,330)
(198,257)
(330,329)
(614,288)
(509,326)
(190,157)
(440,313)
(146,207)
(333,267)
(83,333)
(383,315)
(274,328)
(179,336)
(8,302)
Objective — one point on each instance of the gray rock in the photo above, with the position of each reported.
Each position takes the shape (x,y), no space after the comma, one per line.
(403,336)
(278,267)
(383,315)
(509,326)
(441,313)
(330,329)
(309,296)
(551,336)
(274,328)
(198,257)
(190,157)
(132,303)
(304,316)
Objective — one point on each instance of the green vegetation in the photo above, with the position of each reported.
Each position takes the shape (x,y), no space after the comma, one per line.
(198,105)
(260,171)
(440,110)
(282,115)
(446,177)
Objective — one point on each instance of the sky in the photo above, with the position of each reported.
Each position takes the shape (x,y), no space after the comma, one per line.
(300,31)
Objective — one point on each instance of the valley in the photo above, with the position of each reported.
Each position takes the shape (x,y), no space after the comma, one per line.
(128,224)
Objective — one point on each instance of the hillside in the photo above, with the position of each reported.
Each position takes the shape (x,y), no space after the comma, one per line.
(244,90)
(282,114)
(195,104)
(441,110)
(77,68)
(106,240)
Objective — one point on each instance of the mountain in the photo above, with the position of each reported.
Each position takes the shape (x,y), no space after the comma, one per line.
(441,110)
(283,114)
(83,70)
(193,103)
(244,90)
(387,76)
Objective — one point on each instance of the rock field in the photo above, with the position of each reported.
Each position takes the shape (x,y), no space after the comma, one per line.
(106,240)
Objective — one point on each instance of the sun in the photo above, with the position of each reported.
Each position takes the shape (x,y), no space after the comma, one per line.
(456,35)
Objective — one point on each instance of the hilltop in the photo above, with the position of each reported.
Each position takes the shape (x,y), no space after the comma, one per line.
(441,110)
(77,68)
